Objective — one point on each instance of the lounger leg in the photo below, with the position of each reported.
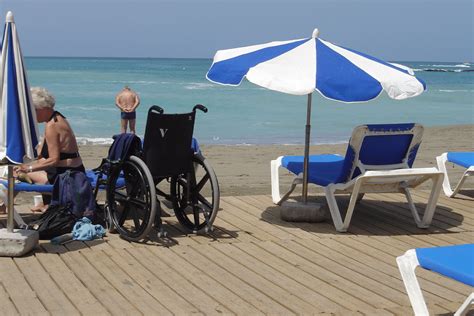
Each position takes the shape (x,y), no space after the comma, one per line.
(441,161)
(469,172)
(430,206)
(407,264)
(275,176)
(463,309)
(433,200)
(334,209)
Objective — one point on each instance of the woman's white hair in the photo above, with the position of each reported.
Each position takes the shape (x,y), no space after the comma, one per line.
(42,98)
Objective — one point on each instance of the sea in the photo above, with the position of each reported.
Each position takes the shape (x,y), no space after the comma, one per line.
(85,90)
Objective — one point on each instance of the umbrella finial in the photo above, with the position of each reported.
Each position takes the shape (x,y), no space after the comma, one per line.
(9,17)
(315,33)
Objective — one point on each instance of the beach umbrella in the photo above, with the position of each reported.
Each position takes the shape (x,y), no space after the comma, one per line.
(18,129)
(302,66)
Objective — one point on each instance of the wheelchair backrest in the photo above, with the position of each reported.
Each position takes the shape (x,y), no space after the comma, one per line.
(167,144)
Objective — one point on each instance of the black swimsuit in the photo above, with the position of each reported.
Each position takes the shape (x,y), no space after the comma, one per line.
(54,172)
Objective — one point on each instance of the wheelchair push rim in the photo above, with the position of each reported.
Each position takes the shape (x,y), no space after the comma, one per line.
(196,196)
(132,207)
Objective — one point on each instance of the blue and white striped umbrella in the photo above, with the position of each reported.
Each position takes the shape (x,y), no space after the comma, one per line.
(302,66)
(18,126)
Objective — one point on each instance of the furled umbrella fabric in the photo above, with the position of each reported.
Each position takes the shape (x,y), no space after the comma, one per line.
(302,66)
(18,127)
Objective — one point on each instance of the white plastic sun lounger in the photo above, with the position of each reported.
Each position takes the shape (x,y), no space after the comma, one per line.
(455,262)
(379,159)
(463,159)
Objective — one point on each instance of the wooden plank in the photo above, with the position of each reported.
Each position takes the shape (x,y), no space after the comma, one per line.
(441,286)
(345,279)
(442,219)
(178,283)
(248,293)
(244,224)
(150,283)
(23,297)
(8,308)
(261,283)
(371,266)
(200,279)
(72,287)
(103,291)
(261,213)
(54,300)
(329,298)
(461,202)
(123,284)
(297,290)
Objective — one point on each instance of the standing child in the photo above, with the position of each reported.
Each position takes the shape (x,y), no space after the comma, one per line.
(127,101)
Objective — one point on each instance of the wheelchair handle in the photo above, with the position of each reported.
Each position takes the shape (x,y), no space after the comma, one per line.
(200,107)
(156,108)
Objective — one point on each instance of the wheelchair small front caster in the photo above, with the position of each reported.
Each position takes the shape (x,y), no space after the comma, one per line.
(208,229)
(162,233)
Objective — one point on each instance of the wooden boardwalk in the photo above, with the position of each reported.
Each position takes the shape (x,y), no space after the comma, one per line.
(253,263)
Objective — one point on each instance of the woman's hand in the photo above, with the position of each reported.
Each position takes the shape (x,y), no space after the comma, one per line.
(23,168)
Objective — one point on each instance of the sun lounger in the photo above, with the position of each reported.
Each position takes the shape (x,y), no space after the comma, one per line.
(455,262)
(379,158)
(44,188)
(463,159)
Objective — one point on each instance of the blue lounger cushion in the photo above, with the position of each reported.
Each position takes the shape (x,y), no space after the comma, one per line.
(323,169)
(45,188)
(456,262)
(465,159)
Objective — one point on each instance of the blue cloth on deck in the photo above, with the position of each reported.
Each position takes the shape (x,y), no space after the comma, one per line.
(85,230)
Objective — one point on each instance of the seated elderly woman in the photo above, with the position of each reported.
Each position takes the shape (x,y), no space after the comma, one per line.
(59,151)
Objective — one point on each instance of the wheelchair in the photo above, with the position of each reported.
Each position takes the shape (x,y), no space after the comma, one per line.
(170,156)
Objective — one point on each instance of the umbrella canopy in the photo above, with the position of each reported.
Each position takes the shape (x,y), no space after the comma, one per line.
(18,127)
(302,66)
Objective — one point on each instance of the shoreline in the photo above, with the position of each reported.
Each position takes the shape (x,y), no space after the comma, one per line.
(107,141)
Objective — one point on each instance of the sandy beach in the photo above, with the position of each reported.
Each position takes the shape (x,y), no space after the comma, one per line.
(245,170)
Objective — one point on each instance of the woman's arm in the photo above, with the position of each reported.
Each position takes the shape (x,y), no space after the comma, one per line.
(52,138)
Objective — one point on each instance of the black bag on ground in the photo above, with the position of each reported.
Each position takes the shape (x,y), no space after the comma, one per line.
(72,198)
(57,220)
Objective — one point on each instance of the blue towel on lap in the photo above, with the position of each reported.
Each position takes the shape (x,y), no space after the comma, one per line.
(85,230)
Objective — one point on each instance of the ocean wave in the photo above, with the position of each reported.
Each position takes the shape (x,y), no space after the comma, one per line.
(451,66)
(94,141)
(444,70)
(449,91)
(199,86)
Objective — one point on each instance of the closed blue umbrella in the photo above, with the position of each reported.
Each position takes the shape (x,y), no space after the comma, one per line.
(18,129)
(302,66)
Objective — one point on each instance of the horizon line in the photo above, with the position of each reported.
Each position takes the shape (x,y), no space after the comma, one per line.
(117,57)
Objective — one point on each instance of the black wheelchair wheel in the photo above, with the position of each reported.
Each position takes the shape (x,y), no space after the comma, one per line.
(132,206)
(196,197)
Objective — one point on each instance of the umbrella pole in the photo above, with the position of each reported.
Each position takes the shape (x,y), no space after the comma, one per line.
(11,183)
(306,150)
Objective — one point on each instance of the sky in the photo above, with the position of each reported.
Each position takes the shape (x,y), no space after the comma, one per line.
(394,30)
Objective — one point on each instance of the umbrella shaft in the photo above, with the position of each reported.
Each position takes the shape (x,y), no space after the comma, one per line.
(306,149)
(11,187)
